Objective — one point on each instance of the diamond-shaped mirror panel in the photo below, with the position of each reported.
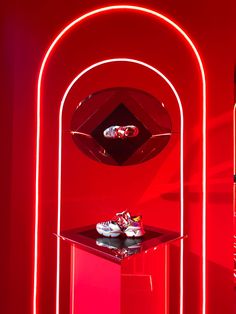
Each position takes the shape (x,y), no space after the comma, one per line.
(120,149)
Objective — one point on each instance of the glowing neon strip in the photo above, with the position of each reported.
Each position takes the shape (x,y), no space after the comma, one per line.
(234,135)
(234,203)
(49,51)
(166,278)
(73,280)
(181,160)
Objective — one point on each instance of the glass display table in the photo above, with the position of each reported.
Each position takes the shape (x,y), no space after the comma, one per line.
(123,275)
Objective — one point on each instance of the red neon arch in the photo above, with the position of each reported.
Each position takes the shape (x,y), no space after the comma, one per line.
(174,91)
(201,68)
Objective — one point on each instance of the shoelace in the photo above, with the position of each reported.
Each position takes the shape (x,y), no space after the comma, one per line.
(106,223)
(122,220)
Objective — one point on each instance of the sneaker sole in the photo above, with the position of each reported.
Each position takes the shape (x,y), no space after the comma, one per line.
(108,234)
(129,233)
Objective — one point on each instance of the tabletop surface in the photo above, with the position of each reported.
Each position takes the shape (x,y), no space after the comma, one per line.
(117,249)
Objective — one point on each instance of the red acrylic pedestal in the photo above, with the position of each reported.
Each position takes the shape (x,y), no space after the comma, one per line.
(124,276)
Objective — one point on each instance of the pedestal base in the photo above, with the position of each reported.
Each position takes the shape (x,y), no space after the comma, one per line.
(124,275)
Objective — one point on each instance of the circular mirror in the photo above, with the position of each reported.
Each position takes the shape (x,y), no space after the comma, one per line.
(121,126)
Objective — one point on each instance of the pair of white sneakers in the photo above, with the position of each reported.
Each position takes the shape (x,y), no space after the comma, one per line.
(122,223)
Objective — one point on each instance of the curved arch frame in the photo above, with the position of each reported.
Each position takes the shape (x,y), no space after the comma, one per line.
(192,47)
(156,71)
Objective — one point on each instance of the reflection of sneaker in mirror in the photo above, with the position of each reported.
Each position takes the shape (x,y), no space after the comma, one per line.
(122,223)
(122,247)
(118,243)
(133,243)
(110,243)
(121,132)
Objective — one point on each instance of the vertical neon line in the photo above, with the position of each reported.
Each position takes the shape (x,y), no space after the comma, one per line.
(49,51)
(204,186)
(234,129)
(73,281)
(234,209)
(59,213)
(37,168)
(35,276)
(166,279)
(181,210)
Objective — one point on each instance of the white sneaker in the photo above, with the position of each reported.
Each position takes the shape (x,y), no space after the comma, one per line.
(122,247)
(123,223)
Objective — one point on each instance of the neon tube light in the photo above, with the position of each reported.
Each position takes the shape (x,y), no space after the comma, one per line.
(166,279)
(53,45)
(234,136)
(234,187)
(72,279)
(181,162)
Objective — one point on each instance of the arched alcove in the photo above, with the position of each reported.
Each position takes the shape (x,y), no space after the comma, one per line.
(158,42)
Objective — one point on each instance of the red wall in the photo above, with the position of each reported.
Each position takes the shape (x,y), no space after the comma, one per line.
(28,30)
